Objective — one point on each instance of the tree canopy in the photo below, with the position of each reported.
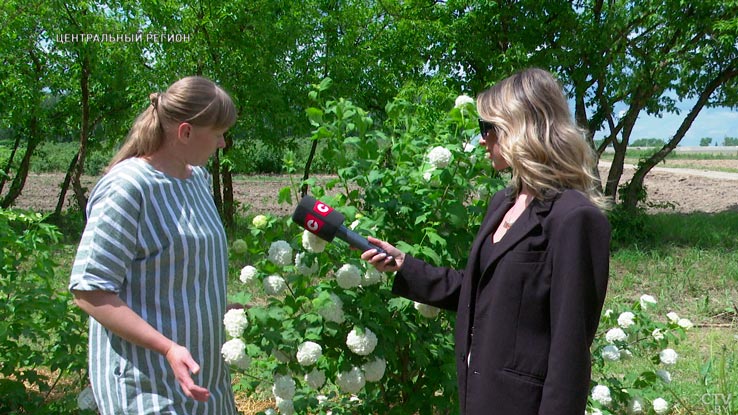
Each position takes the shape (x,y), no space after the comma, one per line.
(81,71)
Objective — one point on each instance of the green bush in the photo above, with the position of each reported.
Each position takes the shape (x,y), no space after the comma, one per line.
(55,157)
(42,334)
(388,187)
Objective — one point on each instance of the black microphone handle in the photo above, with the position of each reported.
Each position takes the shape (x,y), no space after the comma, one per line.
(357,241)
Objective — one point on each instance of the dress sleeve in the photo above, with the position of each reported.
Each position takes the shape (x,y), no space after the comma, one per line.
(581,248)
(108,243)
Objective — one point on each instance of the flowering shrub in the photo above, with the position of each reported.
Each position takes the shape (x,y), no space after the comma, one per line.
(632,333)
(43,335)
(324,331)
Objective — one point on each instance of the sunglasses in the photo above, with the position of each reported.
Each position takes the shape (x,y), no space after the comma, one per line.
(485,127)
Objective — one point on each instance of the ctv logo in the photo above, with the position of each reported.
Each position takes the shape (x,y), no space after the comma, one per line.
(313,224)
(322,209)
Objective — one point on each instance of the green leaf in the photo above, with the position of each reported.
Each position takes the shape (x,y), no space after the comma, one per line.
(285,195)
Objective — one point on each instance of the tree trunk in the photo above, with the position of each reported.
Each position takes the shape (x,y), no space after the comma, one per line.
(9,164)
(228,204)
(65,186)
(79,191)
(625,125)
(19,181)
(616,169)
(634,189)
(215,172)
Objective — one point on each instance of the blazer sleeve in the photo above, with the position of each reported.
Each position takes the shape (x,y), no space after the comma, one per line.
(424,283)
(580,268)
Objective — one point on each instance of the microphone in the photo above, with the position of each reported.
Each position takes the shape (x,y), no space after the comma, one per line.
(325,222)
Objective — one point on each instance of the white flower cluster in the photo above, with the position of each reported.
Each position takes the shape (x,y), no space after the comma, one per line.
(660,406)
(313,243)
(684,323)
(351,381)
(427,311)
(657,334)
(304,269)
(664,375)
(280,253)
(615,335)
(601,394)
(374,370)
(428,174)
(315,379)
(462,100)
(636,406)
(284,391)
(371,277)
(439,157)
(361,343)
(260,221)
(611,353)
(647,301)
(308,353)
(248,274)
(235,322)
(626,319)
(284,387)
(274,285)
(234,353)
(333,311)
(668,356)
(348,276)
(239,246)
(285,406)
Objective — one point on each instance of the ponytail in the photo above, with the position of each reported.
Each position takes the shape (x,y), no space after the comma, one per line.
(146,135)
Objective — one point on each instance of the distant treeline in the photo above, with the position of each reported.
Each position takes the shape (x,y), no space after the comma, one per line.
(659,142)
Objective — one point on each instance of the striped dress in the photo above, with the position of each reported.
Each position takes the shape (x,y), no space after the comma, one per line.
(158,242)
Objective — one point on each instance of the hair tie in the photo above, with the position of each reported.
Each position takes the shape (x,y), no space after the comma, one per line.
(154,98)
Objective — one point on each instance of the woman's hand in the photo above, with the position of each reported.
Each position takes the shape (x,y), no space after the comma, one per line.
(183,364)
(384,262)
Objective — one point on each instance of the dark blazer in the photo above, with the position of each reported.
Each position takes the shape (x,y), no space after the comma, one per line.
(529,319)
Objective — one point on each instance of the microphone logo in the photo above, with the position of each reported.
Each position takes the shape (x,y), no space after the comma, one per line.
(313,224)
(322,209)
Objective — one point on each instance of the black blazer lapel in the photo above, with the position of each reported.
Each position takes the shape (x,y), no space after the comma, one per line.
(531,217)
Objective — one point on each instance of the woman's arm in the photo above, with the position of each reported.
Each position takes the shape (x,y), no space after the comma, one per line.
(578,285)
(415,279)
(109,310)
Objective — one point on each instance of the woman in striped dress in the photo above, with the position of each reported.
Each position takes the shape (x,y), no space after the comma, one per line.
(151,266)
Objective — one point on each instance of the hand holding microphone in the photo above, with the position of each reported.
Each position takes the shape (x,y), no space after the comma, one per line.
(325,222)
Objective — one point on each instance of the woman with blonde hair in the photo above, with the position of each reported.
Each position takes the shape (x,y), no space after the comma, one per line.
(529,299)
(151,266)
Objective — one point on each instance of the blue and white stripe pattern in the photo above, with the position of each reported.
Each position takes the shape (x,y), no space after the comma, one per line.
(159,243)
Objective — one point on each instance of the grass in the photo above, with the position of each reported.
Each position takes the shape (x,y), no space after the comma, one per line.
(691,267)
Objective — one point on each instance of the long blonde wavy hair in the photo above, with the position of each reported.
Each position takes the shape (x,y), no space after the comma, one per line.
(538,138)
(194,99)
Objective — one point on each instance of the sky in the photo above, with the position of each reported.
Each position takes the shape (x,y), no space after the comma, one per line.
(716,123)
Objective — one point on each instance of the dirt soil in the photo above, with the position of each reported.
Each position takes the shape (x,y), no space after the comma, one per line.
(693,187)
